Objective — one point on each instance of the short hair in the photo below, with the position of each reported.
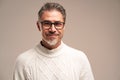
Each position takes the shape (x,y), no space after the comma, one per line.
(52,6)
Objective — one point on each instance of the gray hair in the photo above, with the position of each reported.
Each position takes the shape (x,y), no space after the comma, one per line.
(52,6)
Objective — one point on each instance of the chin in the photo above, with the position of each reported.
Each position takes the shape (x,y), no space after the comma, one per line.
(52,42)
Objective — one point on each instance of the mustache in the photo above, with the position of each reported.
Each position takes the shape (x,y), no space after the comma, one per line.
(52,34)
(49,34)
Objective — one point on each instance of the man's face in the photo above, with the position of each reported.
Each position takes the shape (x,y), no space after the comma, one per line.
(52,34)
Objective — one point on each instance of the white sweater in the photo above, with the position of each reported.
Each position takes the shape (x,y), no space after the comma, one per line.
(62,63)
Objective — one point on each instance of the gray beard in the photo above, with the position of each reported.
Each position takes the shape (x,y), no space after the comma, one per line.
(51,42)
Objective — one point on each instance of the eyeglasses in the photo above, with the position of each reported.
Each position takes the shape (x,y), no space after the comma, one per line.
(47,24)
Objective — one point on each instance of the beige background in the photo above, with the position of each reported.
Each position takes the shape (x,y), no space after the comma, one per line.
(92,26)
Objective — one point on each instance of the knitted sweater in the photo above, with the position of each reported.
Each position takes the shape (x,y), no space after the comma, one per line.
(62,63)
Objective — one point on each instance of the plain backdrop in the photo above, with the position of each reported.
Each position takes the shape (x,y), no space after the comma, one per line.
(92,26)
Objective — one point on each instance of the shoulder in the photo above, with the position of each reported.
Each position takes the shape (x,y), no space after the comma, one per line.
(22,61)
(76,54)
(25,57)
(74,51)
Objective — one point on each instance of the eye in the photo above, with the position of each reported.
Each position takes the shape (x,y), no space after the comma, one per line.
(59,24)
(46,23)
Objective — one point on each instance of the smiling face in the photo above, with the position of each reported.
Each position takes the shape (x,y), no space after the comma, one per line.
(51,37)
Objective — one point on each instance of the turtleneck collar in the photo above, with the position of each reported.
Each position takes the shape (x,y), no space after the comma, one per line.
(50,53)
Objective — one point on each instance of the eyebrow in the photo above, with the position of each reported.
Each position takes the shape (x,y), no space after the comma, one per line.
(50,21)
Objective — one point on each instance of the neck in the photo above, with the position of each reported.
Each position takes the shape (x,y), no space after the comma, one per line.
(50,47)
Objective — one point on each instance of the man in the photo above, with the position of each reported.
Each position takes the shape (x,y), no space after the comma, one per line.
(51,59)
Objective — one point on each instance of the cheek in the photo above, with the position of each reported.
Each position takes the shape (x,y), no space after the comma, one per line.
(43,33)
(61,33)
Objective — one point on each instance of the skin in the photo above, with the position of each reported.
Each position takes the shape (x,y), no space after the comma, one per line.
(51,34)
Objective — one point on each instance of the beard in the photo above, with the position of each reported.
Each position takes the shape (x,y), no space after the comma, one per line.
(51,42)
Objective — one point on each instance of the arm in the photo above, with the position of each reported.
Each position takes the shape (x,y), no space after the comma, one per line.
(19,70)
(19,73)
(86,72)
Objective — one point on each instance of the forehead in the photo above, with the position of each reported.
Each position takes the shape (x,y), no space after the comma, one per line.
(52,15)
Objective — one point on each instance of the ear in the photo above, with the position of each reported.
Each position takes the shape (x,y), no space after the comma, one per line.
(38,26)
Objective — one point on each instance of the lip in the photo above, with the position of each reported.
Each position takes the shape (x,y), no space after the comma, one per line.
(52,36)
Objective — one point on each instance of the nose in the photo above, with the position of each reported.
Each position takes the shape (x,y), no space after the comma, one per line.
(52,28)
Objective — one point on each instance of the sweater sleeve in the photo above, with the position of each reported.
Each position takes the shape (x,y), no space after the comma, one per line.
(21,66)
(86,72)
(19,71)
